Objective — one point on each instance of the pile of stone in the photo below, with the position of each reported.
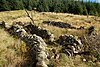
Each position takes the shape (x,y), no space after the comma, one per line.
(72,44)
(59,24)
(35,42)
(33,29)
(66,25)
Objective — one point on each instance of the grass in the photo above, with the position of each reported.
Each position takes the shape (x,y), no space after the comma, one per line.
(13,49)
(10,50)
(39,17)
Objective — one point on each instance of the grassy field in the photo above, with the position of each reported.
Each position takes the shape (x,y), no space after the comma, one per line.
(13,49)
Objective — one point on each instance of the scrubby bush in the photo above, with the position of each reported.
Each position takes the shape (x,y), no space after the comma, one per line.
(92,45)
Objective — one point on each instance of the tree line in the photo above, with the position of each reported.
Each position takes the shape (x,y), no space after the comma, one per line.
(64,6)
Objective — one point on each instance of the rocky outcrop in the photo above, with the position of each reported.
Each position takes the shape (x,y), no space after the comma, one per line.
(72,44)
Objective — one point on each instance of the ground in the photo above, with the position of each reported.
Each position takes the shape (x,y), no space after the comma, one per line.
(12,49)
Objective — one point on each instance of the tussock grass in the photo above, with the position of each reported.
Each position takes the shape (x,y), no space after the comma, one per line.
(12,50)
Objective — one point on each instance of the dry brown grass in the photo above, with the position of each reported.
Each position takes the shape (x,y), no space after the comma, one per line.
(12,49)
(39,17)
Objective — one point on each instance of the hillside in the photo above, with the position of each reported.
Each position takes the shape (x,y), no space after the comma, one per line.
(14,51)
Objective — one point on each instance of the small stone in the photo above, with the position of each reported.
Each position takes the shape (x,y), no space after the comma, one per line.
(84,60)
(41,64)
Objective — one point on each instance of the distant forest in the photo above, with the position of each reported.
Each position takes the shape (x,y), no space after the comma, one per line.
(64,6)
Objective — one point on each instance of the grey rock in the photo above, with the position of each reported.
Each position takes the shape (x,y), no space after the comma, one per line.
(72,44)
(41,64)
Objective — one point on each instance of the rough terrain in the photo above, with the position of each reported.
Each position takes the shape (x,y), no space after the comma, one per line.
(53,40)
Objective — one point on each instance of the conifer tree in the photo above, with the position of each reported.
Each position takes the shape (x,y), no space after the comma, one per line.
(4,5)
(43,6)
